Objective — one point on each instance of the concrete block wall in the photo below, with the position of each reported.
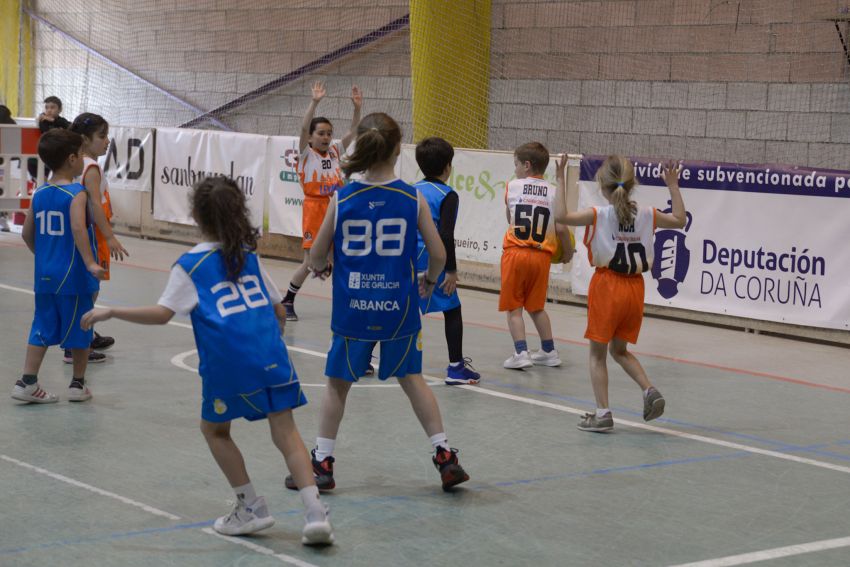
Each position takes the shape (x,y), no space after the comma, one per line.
(742,80)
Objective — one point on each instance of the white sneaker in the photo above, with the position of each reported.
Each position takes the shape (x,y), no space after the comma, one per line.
(33,394)
(79,394)
(317,528)
(519,361)
(244,519)
(543,358)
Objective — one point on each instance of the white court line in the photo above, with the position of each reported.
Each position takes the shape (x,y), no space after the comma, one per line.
(576,411)
(259,548)
(179,360)
(90,488)
(767,554)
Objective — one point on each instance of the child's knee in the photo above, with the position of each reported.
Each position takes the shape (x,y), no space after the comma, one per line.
(213,430)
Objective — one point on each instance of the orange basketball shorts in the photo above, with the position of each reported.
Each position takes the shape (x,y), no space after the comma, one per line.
(312,215)
(614,307)
(525,279)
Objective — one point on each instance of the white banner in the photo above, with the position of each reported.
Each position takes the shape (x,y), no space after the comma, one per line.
(762,242)
(128,163)
(286,198)
(186,156)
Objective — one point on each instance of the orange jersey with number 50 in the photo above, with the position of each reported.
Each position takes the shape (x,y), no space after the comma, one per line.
(531,202)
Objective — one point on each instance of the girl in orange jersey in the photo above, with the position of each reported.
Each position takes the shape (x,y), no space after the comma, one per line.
(619,239)
(320,176)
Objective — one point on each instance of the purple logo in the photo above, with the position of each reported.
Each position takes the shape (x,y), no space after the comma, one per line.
(672,258)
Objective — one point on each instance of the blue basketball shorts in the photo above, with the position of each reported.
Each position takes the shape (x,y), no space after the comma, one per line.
(57,320)
(254,405)
(348,359)
(438,300)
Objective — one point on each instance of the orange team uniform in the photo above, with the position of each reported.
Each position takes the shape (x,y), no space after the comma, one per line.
(528,245)
(320,177)
(621,254)
(106,204)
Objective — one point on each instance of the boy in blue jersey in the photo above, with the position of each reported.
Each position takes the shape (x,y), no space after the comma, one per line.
(434,156)
(66,271)
(372,225)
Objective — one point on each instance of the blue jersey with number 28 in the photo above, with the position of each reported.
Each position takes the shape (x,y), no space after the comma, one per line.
(236,331)
(375,290)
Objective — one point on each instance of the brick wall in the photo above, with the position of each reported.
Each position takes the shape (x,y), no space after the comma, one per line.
(737,80)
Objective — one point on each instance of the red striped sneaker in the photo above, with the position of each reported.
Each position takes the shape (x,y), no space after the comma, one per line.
(33,394)
(451,473)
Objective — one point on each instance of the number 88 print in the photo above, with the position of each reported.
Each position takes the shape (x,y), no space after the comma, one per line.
(357,237)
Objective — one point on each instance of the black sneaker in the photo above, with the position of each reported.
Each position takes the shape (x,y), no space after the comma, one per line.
(94,357)
(290,311)
(451,472)
(99,342)
(323,472)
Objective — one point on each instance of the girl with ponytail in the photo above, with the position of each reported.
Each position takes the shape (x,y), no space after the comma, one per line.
(619,240)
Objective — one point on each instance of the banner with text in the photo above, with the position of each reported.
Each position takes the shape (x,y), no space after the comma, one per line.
(761,241)
(185,156)
(285,195)
(128,163)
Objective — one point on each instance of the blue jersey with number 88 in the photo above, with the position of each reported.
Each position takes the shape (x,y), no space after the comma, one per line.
(375,289)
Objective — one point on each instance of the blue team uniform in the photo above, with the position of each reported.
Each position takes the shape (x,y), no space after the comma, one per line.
(375,288)
(244,364)
(63,285)
(434,194)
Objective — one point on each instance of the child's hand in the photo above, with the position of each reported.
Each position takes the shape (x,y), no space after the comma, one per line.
(96,270)
(356,96)
(95,316)
(323,273)
(449,284)
(561,166)
(671,173)
(319,91)
(425,288)
(115,249)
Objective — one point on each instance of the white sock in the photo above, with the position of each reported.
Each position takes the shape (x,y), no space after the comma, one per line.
(310,497)
(324,448)
(440,440)
(245,493)
(456,364)
(646,392)
(602,412)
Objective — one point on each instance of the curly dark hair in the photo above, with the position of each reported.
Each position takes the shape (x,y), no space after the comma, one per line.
(218,206)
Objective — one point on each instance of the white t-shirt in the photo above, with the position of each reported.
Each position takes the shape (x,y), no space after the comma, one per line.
(181,296)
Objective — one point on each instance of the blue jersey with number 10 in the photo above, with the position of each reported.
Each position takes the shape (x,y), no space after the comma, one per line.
(375,290)
(59,267)
(236,331)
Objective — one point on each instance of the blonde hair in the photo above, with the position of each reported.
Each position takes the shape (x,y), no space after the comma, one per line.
(616,176)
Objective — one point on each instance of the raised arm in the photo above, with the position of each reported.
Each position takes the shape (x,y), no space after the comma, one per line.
(318,93)
(678,217)
(562,213)
(357,101)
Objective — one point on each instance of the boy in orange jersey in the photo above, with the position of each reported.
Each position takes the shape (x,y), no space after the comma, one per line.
(531,239)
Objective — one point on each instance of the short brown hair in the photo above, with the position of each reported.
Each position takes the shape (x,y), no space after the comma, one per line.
(535,153)
(56,145)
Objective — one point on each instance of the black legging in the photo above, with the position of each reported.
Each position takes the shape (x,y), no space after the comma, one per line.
(454,333)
